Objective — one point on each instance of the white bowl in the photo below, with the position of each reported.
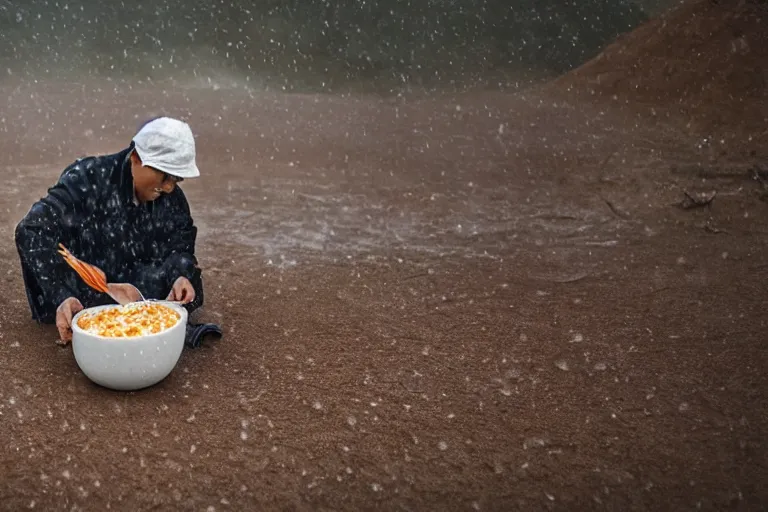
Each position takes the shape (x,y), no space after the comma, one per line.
(128,364)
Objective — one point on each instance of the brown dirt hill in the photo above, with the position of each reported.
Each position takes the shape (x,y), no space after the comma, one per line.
(704,65)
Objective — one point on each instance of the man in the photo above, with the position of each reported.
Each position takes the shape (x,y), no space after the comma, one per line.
(125,214)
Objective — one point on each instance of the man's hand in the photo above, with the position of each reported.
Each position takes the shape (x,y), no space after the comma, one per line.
(124,293)
(182,291)
(64,313)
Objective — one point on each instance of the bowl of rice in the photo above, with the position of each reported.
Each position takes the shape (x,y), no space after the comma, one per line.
(129,347)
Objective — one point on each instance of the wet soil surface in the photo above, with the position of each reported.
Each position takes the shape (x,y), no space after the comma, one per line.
(480,301)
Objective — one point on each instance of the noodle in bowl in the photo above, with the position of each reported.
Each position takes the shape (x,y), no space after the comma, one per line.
(129,347)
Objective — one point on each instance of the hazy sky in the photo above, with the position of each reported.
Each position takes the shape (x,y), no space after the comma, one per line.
(346,39)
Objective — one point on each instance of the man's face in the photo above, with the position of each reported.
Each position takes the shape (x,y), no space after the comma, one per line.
(149,183)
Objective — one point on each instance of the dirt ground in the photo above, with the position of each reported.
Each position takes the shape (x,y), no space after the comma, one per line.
(475,301)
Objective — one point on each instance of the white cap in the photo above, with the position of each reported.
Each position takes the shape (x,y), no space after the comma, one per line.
(167,145)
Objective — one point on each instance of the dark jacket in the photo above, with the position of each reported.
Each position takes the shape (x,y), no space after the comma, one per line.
(91,210)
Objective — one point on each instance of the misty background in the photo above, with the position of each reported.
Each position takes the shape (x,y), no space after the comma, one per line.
(320,45)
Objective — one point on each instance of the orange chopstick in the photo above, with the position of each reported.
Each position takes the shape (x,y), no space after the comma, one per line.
(92,276)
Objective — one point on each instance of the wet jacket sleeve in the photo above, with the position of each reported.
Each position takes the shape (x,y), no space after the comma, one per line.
(48,279)
(174,253)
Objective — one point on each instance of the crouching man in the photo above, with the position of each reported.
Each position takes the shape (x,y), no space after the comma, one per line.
(124,213)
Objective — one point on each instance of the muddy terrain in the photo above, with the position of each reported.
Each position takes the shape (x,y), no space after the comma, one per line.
(551,299)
